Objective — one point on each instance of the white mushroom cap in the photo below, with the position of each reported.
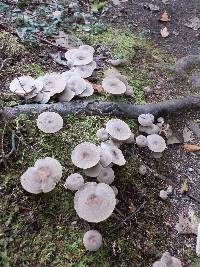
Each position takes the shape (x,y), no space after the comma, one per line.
(106,176)
(129,91)
(113,85)
(76,84)
(85,155)
(81,57)
(49,122)
(142,169)
(22,85)
(66,96)
(141,141)
(69,53)
(39,84)
(74,182)
(170,261)
(94,171)
(102,134)
(53,83)
(153,129)
(94,202)
(88,91)
(87,48)
(156,143)
(118,129)
(105,157)
(163,194)
(92,240)
(42,177)
(114,188)
(42,97)
(85,71)
(146,119)
(115,153)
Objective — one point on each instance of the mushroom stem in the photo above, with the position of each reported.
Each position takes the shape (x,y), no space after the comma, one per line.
(96,107)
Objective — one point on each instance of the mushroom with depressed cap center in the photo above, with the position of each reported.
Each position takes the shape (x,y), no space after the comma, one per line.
(156,143)
(49,122)
(146,119)
(113,86)
(92,240)
(74,182)
(22,85)
(118,129)
(106,175)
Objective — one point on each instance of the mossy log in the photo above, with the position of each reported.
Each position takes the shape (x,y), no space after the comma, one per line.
(104,108)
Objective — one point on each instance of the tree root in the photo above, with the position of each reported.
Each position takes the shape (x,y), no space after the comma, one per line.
(96,107)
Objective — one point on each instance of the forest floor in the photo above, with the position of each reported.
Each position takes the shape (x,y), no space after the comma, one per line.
(44,230)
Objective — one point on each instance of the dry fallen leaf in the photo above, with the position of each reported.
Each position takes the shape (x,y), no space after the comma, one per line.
(164,32)
(164,17)
(187,135)
(191,148)
(185,186)
(97,88)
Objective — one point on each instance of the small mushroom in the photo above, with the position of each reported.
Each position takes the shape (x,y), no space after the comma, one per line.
(113,86)
(168,261)
(142,169)
(118,129)
(106,175)
(42,98)
(115,153)
(157,155)
(81,57)
(85,155)
(146,119)
(88,90)
(49,122)
(153,129)
(163,194)
(76,84)
(94,202)
(94,171)
(87,48)
(66,96)
(141,141)
(74,182)
(129,91)
(92,240)
(105,157)
(102,134)
(22,85)
(85,71)
(156,143)
(53,83)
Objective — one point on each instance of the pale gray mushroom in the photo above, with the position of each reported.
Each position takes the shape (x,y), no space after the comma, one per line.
(66,96)
(94,202)
(113,85)
(168,261)
(163,194)
(42,177)
(115,153)
(94,171)
(153,129)
(76,84)
(92,240)
(42,97)
(142,169)
(81,57)
(118,129)
(85,155)
(156,143)
(53,83)
(106,175)
(85,71)
(114,188)
(146,119)
(102,134)
(105,157)
(74,182)
(69,53)
(87,48)
(88,90)
(129,91)
(141,141)
(49,122)
(22,85)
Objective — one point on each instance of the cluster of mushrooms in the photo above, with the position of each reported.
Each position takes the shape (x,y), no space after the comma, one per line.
(168,261)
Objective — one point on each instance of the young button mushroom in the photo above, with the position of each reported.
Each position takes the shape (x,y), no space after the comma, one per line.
(66,95)
(94,171)
(113,85)
(146,119)
(42,97)
(92,240)
(156,143)
(141,141)
(74,182)
(49,122)
(94,202)
(22,85)
(118,129)
(85,155)
(102,134)
(106,176)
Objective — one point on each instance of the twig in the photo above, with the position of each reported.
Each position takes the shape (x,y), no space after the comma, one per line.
(48,42)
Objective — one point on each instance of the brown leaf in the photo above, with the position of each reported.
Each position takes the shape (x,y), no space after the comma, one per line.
(164,17)
(185,186)
(191,148)
(97,88)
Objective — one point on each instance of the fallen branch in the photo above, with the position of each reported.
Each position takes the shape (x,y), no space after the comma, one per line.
(96,107)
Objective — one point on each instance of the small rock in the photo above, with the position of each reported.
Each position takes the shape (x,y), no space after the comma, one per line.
(163,194)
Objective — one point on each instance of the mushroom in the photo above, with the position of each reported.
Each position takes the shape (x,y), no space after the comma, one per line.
(85,71)
(163,194)
(53,83)
(66,95)
(22,85)
(42,177)
(114,188)
(168,261)
(94,171)
(115,153)
(105,157)
(141,141)
(42,97)
(106,176)
(92,240)
(142,169)
(85,155)
(49,122)
(157,155)
(87,48)
(80,57)
(76,84)
(113,85)
(74,182)
(146,119)
(152,129)
(118,129)
(156,143)
(129,91)
(131,139)
(88,90)
(102,134)
(94,202)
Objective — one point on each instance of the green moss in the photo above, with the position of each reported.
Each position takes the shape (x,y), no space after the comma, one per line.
(32,69)
(11,46)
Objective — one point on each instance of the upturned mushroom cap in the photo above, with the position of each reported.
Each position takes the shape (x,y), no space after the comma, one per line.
(85,71)
(49,122)
(105,157)
(118,129)
(74,182)
(156,143)
(42,177)
(94,202)
(66,96)
(92,240)
(42,97)
(113,85)
(94,171)
(22,85)
(141,141)
(153,129)
(87,48)
(115,153)
(81,57)
(146,119)
(106,176)
(85,155)
(102,134)
(53,83)
(76,84)
(69,53)
(88,91)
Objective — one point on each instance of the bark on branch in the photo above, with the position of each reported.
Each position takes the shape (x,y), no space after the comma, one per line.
(96,107)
